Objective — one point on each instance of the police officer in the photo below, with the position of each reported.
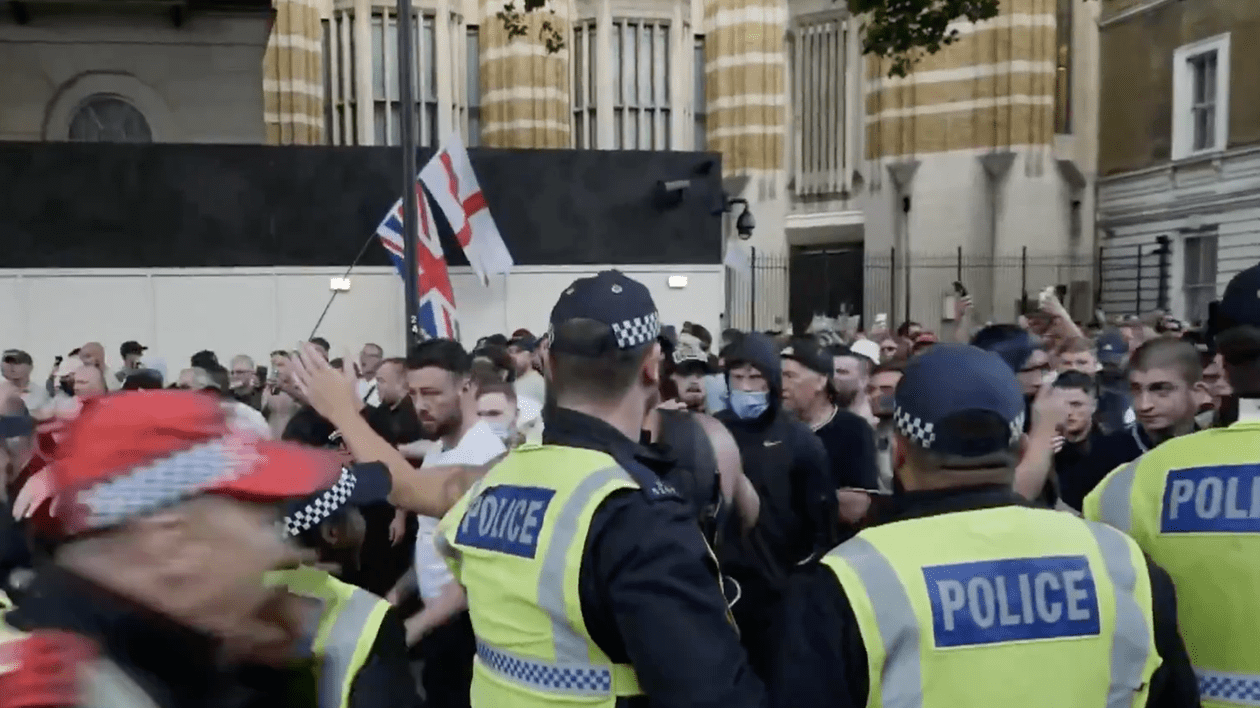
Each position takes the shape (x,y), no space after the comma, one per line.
(1193,504)
(355,638)
(968,595)
(587,577)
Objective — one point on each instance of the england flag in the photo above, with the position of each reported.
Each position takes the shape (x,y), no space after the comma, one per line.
(449,177)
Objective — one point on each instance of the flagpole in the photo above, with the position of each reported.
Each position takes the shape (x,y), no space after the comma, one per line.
(345,275)
(407,135)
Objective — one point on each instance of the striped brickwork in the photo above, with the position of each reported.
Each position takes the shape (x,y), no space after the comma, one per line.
(293,92)
(745,83)
(993,88)
(524,90)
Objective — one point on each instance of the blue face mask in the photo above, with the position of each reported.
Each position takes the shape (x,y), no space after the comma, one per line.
(749,404)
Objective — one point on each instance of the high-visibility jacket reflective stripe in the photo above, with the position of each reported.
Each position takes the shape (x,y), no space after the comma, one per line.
(1215,608)
(342,640)
(903,646)
(577,669)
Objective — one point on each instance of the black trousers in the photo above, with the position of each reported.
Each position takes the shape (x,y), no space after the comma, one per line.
(448,658)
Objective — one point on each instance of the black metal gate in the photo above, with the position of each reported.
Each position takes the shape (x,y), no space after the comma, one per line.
(824,281)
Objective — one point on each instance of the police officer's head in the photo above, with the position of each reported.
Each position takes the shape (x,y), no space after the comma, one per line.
(1234,328)
(601,353)
(329,521)
(959,419)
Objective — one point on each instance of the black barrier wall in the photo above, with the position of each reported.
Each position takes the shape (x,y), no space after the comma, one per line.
(77,205)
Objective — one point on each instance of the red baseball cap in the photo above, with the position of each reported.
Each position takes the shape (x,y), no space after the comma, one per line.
(135,452)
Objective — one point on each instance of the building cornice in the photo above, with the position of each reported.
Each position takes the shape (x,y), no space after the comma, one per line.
(1171,167)
(1148,6)
(1180,208)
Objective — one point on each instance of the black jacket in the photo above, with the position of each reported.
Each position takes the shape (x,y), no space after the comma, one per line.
(820,658)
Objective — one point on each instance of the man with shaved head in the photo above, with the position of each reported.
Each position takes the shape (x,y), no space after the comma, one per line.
(93,354)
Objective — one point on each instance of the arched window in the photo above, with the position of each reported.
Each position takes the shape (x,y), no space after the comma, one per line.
(103,118)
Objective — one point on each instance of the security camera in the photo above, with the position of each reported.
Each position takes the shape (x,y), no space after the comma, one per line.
(745,224)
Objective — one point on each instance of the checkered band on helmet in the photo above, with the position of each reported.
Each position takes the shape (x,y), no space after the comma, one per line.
(164,482)
(637,331)
(921,433)
(322,506)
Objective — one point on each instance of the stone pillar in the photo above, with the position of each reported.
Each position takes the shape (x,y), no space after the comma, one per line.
(524,90)
(293,77)
(744,69)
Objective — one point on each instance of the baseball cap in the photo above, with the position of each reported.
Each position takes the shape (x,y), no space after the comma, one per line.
(809,354)
(358,485)
(949,386)
(134,453)
(613,299)
(1111,347)
(866,348)
(525,341)
(131,347)
(16,356)
(689,356)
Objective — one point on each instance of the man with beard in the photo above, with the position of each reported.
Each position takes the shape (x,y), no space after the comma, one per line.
(446,403)
(164,532)
(850,373)
(880,391)
(689,369)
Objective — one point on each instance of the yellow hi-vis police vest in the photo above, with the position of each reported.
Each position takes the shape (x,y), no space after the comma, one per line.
(1193,504)
(515,542)
(1000,607)
(349,621)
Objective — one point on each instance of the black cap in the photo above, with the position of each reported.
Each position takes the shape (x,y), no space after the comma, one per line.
(131,347)
(810,354)
(612,298)
(1240,304)
(526,341)
(16,356)
(1112,347)
(359,485)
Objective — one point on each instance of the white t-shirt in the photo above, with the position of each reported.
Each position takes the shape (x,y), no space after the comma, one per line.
(478,446)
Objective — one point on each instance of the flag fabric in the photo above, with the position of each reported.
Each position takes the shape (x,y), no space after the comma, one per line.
(437,315)
(449,177)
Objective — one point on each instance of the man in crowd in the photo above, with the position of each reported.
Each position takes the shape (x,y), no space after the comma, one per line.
(957,537)
(688,369)
(245,386)
(496,407)
(439,381)
(788,467)
(808,393)
(152,599)
(529,382)
(850,374)
(1079,436)
(93,354)
(370,358)
(1115,410)
(131,352)
(880,390)
(278,402)
(1165,377)
(16,365)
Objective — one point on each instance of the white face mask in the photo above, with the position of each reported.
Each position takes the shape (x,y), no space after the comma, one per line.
(501,430)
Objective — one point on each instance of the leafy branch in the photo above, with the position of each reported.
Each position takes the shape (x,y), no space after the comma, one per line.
(516,23)
(904,31)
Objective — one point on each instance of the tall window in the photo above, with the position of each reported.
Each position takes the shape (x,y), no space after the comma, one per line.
(1199,283)
(585,86)
(641,98)
(386,107)
(700,142)
(327,56)
(1063,68)
(1201,97)
(818,105)
(473,77)
(339,97)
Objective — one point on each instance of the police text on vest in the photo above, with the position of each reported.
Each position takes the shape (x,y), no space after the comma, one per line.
(506,519)
(1218,499)
(1012,600)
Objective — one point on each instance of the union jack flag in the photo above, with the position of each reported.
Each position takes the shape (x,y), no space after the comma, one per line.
(437,316)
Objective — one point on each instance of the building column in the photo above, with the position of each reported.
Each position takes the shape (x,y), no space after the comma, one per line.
(293,87)
(524,90)
(744,76)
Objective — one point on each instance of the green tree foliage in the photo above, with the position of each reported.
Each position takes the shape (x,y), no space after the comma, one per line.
(903,31)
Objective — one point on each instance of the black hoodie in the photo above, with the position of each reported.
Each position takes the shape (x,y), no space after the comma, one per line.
(787,465)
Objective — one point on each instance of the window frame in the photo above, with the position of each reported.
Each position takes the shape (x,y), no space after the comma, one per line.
(656,105)
(700,95)
(1064,47)
(584,75)
(472,86)
(1184,108)
(1190,288)
(819,143)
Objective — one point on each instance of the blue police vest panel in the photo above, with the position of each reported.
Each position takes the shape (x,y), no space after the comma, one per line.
(1217,499)
(505,519)
(1012,600)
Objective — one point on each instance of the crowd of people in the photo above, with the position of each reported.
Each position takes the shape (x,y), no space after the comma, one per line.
(622,512)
